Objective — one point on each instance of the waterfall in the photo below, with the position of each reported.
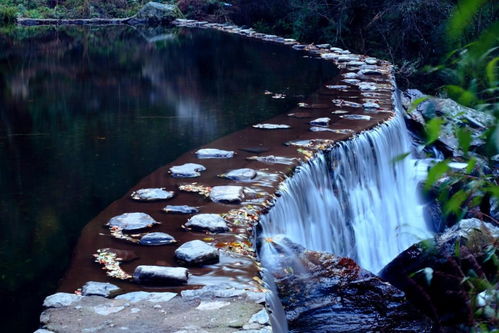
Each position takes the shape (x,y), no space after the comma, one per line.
(358,200)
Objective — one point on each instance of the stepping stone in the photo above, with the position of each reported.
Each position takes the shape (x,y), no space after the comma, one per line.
(188,170)
(59,300)
(356,117)
(132,221)
(104,289)
(154,297)
(255,150)
(227,194)
(351,81)
(156,239)
(339,112)
(367,86)
(371,105)
(350,75)
(271,159)
(371,61)
(160,275)
(207,222)
(183,209)
(152,194)
(197,252)
(214,153)
(244,174)
(271,126)
(337,86)
(321,121)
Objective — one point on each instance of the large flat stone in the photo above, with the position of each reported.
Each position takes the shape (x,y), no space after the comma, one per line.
(196,253)
(58,300)
(214,153)
(187,170)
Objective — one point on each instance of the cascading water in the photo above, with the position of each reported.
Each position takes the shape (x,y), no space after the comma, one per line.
(358,200)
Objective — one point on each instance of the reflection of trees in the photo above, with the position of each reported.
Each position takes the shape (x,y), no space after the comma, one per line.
(85,113)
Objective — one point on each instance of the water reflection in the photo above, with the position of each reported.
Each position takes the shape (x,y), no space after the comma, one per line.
(86,112)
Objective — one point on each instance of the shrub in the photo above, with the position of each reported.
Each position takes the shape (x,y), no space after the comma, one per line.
(8,15)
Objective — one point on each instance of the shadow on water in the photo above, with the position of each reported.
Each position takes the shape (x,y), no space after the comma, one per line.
(86,112)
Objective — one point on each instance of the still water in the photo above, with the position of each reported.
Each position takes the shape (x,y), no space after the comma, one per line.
(87,112)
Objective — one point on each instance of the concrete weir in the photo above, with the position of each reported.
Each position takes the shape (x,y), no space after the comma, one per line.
(220,193)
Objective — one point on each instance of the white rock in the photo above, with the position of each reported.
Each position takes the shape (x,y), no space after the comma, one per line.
(104,289)
(261,317)
(207,222)
(58,300)
(187,170)
(197,252)
(214,153)
(321,121)
(132,221)
(271,126)
(154,297)
(151,194)
(211,305)
(244,174)
(227,194)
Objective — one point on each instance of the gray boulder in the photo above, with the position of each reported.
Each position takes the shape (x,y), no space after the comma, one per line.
(155,13)
(104,289)
(197,252)
(160,275)
(157,238)
(58,300)
(207,222)
(132,221)
(227,194)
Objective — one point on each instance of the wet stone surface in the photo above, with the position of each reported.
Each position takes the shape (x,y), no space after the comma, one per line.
(132,221)
(227,194)
(160,275)
(152,194)
(181,209)
(104,289)
(271,126)
(213,153)
(187,170)
(207,222)
(157,238)
(196,253)
(244,174)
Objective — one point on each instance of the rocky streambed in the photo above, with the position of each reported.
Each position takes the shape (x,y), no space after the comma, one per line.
(179,247)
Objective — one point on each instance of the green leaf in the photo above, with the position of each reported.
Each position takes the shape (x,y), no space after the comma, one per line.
(471,165)
(461,95)
(455,202)
(490,71)
(464,138)
(493,189)
(433,128)
(462,16)
(400,157)
(435,173)
(416,103)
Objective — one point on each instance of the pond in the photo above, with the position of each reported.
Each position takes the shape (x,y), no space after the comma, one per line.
(87,112)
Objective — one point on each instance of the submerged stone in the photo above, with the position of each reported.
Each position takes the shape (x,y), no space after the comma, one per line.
(157,238)
(321,121)
(104,289)
(332,130)
(183,209)
(356,117)
(339,112)
(300,115)
(214,153)
(227,194)
(160,275)
(244,174)
(207,222)
(271,126)
(371,105)
(271,159)
(340,102)
(337,86)
(132,221)
(152,194)
(197,252)
(187,170)
(255,150)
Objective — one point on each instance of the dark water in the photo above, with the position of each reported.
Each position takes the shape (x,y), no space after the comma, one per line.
(86,112)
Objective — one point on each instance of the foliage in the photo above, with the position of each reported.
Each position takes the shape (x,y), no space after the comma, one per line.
(8,15)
